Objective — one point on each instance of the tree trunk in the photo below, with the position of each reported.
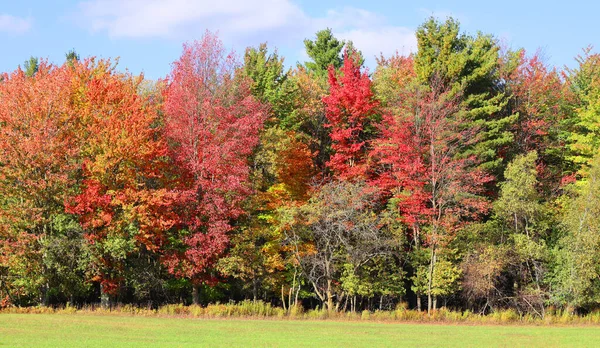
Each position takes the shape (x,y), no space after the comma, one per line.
(283,298)
(254,289)
(329,302)
(104,298)
(195,294)
(434,303)
(430,279)
(45,294)
(419,303)
(296,297)
(329,296)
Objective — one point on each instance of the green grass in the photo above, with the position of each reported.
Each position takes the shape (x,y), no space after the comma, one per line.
(81,330)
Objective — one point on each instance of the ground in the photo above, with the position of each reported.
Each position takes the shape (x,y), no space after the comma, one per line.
(80,330)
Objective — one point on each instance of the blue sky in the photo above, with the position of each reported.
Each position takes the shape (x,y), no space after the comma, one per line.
(147,34)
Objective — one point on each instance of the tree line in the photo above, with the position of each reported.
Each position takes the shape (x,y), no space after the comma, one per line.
(464,175)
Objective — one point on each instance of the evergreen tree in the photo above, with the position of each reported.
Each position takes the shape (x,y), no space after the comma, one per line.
(326,50)
(72,56)
(470,65)
(31,66)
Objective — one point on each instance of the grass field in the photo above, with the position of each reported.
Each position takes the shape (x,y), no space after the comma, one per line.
(79,330)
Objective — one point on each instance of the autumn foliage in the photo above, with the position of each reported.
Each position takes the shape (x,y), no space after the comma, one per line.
(462,175)
(348,108)
(212,123)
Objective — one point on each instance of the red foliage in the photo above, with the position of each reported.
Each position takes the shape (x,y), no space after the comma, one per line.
(295,167)
(348,107)
(212,122)
(37,144)
(418,151)
(537,93)
(37,147)
(124,191)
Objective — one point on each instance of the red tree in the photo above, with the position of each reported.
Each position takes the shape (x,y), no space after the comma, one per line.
(212,123)
(124,202)
(432,184)
(37,146)
(536,96)
(348,108)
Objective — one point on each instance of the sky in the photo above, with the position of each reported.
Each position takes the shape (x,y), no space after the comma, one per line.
(147,35)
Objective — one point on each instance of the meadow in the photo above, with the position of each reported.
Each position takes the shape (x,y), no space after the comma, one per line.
(91,330)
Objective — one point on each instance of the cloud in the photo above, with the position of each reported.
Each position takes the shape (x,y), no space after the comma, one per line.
(14,25)
(242,22)
(184,18)
(385,40)
(370,32)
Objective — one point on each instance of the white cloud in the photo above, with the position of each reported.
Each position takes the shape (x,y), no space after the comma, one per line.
(385,40)
(281,22)
(182,18)
(370,32)
(14,25)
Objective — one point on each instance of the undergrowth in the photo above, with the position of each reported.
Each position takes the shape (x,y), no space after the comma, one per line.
(263,310)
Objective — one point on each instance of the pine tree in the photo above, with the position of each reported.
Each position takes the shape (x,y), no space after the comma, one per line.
(324,51)
(469,64)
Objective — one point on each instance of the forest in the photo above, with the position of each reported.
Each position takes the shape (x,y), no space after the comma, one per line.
(465,175)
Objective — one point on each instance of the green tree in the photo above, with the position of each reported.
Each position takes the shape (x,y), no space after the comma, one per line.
(326,50)
(72,57)
(513,243)
(519,201)
(576,277)
(583,128)
(31,66)
(470,64)
(270,80)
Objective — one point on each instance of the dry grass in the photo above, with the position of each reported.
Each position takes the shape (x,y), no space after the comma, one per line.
(262,310)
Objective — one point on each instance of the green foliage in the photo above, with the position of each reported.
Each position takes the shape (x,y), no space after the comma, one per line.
(66,259)
(219,184)
(583,132)
(325,51)
(519,202)
(31,66)
(577,271)
(470,65)
(446,276)
(271,82)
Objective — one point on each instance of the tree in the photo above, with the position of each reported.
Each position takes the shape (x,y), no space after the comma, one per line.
(433,185)
(72,56)
(339,228)
(325,51)
(577,271)
(582,127)
(349,108)
(212,122)
(31,66)
(536,94)
(469,66)
(393,80)
(539,97)
(513,241)
(124,202)
(270,82)
(37,148)
(282,174)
